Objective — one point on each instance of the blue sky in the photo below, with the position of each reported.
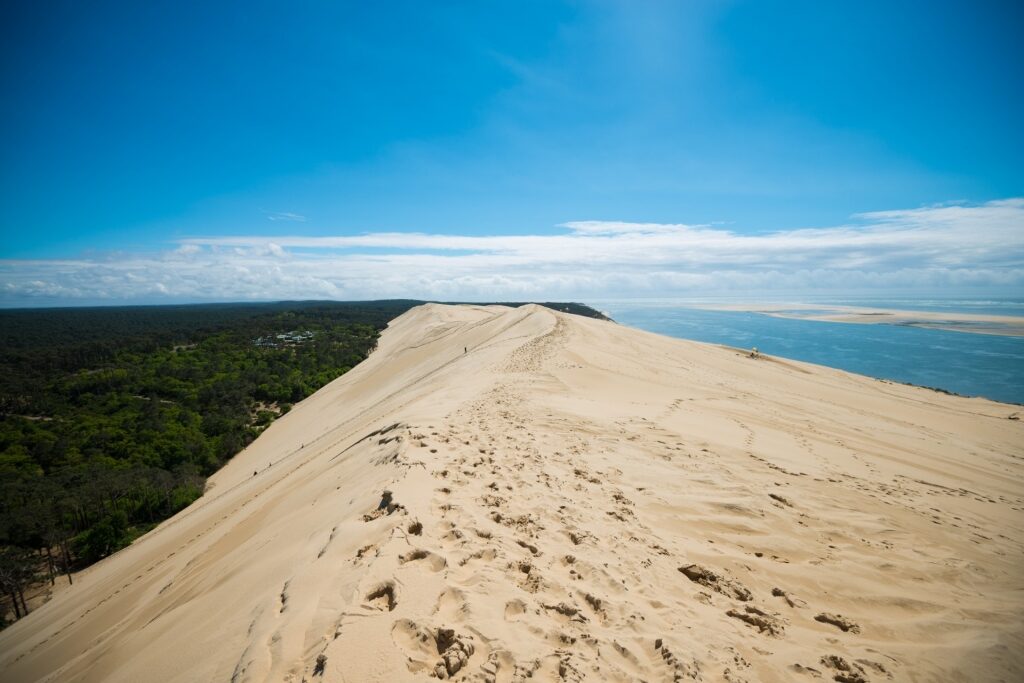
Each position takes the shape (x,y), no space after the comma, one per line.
(147,143)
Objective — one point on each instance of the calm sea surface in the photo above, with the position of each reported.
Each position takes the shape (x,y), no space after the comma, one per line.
(965,363)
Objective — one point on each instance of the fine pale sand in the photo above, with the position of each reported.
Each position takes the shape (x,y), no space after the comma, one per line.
(574,500)
(978,323)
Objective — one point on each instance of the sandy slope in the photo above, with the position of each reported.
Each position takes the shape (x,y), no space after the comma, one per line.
(576,500)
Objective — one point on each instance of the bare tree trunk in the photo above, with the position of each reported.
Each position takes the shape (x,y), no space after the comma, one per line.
(24,605)
(50,567)
(14,601)
(67,561)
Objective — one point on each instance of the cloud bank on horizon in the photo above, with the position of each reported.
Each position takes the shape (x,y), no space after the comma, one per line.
(956,248)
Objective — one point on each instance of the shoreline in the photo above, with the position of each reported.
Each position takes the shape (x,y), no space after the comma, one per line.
(973,323)
(974,373)
(785,360)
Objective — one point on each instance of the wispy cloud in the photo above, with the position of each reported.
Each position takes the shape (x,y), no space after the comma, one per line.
(286,216)
(946,246)
(619,227)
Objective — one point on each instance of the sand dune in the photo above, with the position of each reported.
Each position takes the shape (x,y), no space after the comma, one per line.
(570,499)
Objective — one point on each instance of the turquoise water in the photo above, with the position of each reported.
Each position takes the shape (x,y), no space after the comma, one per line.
(969,364)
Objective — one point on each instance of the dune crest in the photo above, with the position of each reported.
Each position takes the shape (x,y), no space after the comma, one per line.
(518,494)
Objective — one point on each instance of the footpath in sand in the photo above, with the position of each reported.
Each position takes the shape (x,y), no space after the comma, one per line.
(569,499)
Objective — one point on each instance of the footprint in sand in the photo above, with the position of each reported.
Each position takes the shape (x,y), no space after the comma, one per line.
(451,606)
(384,597)
(487,555)
(500,667)
(432,560)
(440,651)
(526,576)
(514,609)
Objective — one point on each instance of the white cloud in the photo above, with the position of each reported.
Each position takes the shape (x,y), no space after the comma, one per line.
(285,216)
(619,227)
(947,246)
(185,250)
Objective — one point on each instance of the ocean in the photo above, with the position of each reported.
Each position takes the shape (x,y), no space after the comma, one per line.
(964,363)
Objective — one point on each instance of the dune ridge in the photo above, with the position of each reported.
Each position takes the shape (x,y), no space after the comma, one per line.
(526,495)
